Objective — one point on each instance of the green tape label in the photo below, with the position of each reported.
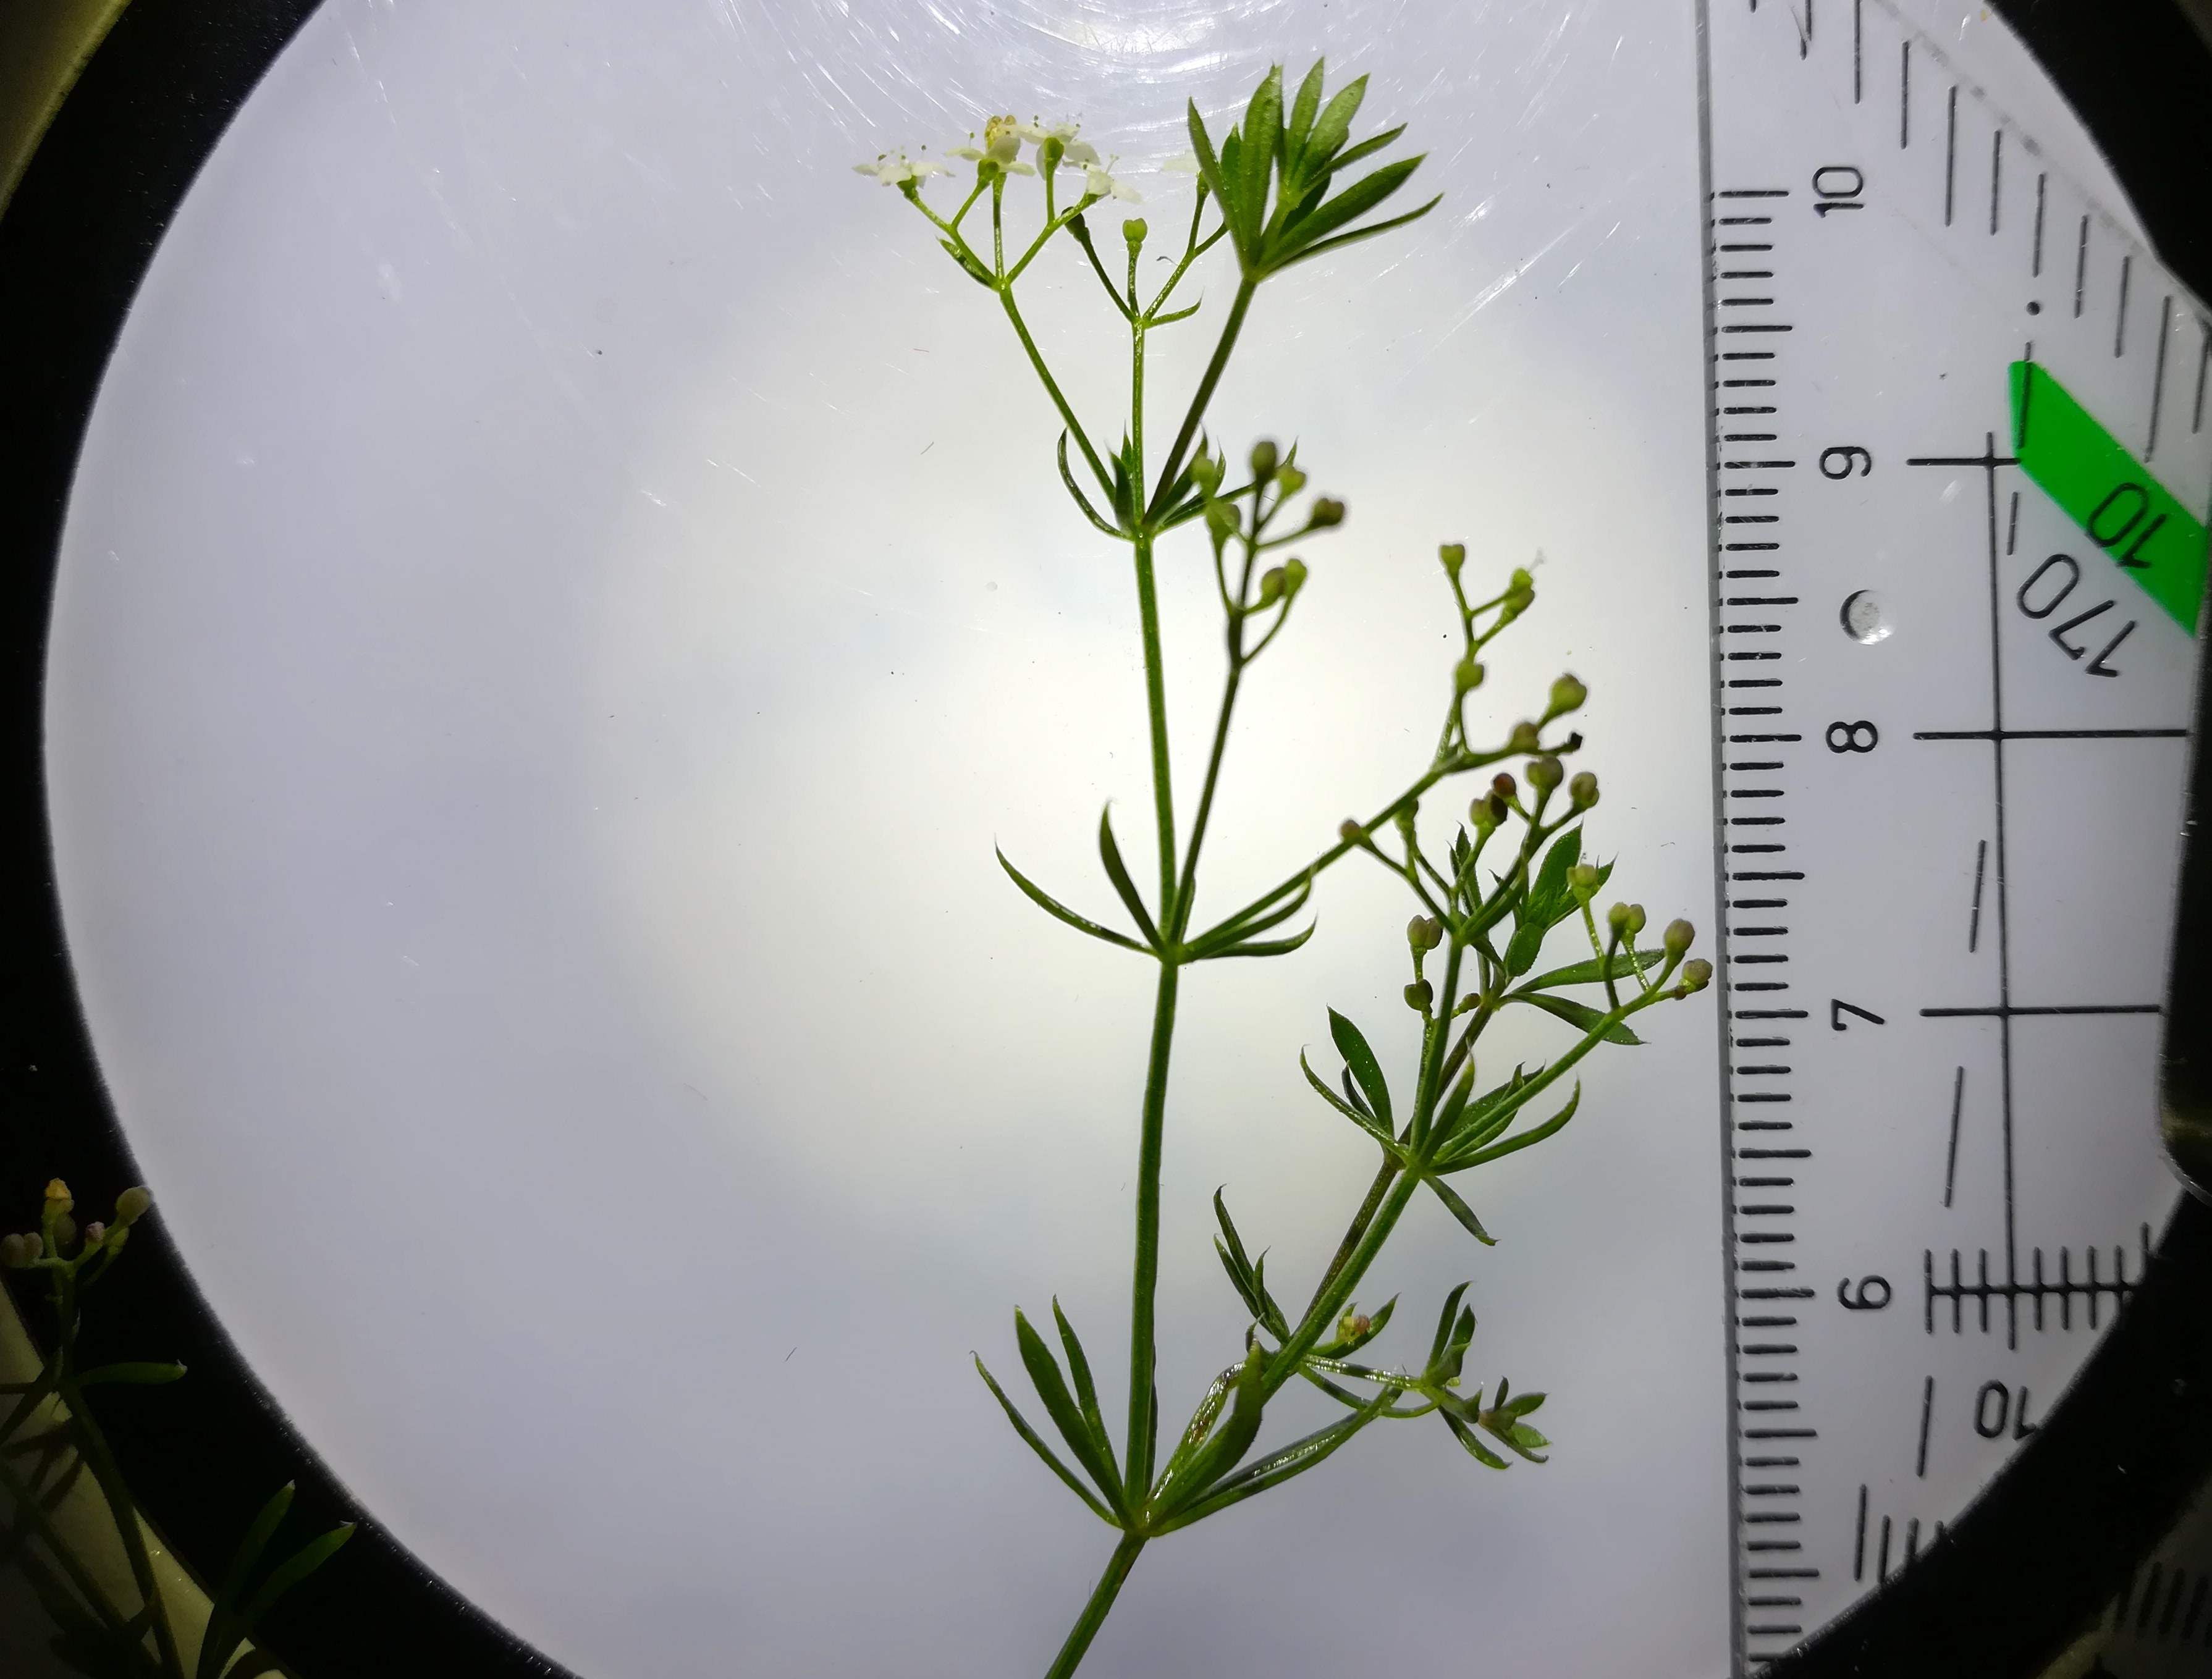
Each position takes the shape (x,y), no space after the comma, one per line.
(2111,495)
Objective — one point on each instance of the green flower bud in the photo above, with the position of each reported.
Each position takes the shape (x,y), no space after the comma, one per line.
(1504,785)
(1294,575)
(1680,937)
(1545,774)
(1264,460)
(1288,480)
(1206,471)
(1326,512)
(1353,1325)
(1617,917)
(94,1233)
(1582,879)
(1583,790)
(1134,230)
(1697,974)
(1634,919)
(1420,996)
(1454,554)
(1350,832)
(1271,586)
(1567,695)
(65,1232)
(1222,518)
(1524,738)
(1425,932)
(59,1198)
(1485,814)
(1520,594)
(1467,675)
(17,1251)
(132,1204)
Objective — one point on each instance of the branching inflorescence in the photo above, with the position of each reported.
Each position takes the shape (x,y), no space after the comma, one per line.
(1513,872)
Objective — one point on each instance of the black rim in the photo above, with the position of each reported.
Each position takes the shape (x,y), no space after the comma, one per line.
(2025,1570)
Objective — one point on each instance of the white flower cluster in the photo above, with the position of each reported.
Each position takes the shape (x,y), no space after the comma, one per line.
(1000,154)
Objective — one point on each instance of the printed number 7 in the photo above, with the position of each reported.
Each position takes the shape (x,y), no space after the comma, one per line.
(1838,1009)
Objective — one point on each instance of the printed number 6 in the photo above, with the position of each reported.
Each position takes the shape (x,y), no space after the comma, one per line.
(1844,459)
(1860,736)
(1871,1296)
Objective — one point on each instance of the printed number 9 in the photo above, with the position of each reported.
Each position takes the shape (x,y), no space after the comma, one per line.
(1841,461)
(1837,186)
(1860,736)
(1871,1296)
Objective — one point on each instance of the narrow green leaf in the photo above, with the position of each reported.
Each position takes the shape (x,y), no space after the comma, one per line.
(1303,110)
(1309,252)
(1036,1445)
(295,1568)
(1361,1060)
(1241,232)
(1239,1279)
(1499,1150)
(1118,872)
(1459,1210)
(1348,206)
(1246,923)
(1202,144)
(973,269)
(1365,149)
(1088,1449)
(1279,947)
(1334,127)
(1277,1467)
(1229,1443)
(1455,1104)
(1067,478)
(1589,972)
(1196,1431)
(1059,912)
(1444,1321)
(132,1375)
(1550,898)
(1476,1450)
(1086,1391)
(1270,1315)
(1263,143)
(1580,1015)
(224,1627)
(1527,945)
(1365,1122)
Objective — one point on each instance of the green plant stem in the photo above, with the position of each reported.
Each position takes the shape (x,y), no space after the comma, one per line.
(1144,1273)
(1325,1309)
(1052,389)
(1094,1612)
(1214,368)
(1354,1231)
(30,1511)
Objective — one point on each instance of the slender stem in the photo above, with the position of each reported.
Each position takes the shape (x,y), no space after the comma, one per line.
(1326,1307)
(105,1470)
(29,1510)
(1353,1232)
(1144,1273)
(1187,894)
(1094,1612)
(1155,708)
(1230,329)
(1052,389)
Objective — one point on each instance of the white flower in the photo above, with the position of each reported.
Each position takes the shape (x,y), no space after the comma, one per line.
(1100,184)
(897,169)
(1183,163)
(1002,145)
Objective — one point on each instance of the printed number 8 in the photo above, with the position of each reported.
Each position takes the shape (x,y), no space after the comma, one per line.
(1860,736)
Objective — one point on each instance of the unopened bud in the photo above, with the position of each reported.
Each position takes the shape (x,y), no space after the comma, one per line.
(1582,789)
(94,1233)
(1634,919)
(1134,230)
(1680,937)
(1617,917)
(1353,1325)
(65,1232)
(1697,974)
(17,1251)
(1425,932)
(132,1204)
(1294,573)
(1223,520)
(1265,458)
(1288,480)
(1271,586)
(1504,785)
(1418,996)
(59,1198)
(1567,695)
(1350,832)
(1206,471)
(1545,774)
(1524,738)
(1326,512)
(1485,813)
(1466,675)
(1582,879)
(1454,554)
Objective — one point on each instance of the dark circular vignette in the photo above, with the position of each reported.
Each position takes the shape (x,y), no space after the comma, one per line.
(2024,1571)
(202,1455)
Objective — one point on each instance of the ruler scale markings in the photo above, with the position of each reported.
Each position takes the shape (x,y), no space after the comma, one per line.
(1950,155)
(1996,177)
(1951,1160)
(2035,262)
(2158,375)
(2082,268)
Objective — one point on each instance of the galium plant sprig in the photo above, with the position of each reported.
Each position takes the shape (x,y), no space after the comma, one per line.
(50,1443)
(1512,873)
